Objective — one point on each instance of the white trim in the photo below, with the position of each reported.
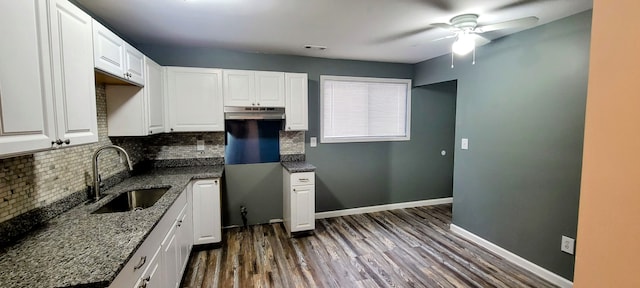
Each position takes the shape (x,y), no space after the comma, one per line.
(275,221)
(510,256)
(369,209)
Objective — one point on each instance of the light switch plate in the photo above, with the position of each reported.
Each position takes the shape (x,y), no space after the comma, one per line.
(464,145)
(313,141)
(200,145)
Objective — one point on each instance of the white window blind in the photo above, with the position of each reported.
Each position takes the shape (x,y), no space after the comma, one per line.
(356,109)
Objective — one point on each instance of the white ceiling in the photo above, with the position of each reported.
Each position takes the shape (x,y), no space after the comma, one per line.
(374,30)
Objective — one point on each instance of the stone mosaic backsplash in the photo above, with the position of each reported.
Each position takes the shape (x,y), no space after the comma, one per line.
(291,142)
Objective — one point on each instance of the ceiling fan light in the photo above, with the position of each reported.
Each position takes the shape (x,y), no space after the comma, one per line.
(463,45)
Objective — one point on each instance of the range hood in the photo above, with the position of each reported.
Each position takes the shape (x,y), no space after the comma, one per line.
(241,113)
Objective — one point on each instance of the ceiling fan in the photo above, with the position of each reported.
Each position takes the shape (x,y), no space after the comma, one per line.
(466,31)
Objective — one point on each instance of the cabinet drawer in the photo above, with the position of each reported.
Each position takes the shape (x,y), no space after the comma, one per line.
(303,178)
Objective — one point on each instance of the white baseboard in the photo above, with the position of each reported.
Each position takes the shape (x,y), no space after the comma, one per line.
(524,263)
(377,208)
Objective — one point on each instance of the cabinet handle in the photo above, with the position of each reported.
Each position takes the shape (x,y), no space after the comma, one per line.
(59,142)
(143,260)
(304,179)
(144,282)
(67,141)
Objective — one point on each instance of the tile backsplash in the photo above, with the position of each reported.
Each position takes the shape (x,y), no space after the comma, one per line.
(34,181)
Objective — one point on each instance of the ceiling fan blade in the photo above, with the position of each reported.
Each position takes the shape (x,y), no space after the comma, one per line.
(443,38)
(517,23)
(518,4)
(443,5)
(445,26)
(398,36)
(480,41)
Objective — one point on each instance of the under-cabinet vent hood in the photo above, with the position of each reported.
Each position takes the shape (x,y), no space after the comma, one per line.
(240,113)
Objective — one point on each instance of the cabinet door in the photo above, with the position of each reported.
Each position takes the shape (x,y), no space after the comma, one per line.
(153,276)
(73,76)
(296,109)
(134,65)
(26,111)
(207,227)
(195,99)
(170,254)
(108,50)
(302,208)
(239,88)
(154,83)
(269,89)
(184,234)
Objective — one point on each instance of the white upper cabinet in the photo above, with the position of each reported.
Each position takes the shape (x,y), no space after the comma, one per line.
(134,65)
(73,77)
(135,111)
(194,99)
(114,56)
(47,90)
(26,122)
(243,88)
(154,90)
(296,109)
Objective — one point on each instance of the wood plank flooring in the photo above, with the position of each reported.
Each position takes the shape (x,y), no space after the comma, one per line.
(398,248)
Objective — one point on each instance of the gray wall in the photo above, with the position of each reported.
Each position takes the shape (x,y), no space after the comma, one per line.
(348,175)
(522,106)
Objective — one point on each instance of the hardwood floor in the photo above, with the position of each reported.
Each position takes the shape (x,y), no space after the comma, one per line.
(398,248)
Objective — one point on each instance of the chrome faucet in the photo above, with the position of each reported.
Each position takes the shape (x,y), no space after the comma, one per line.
(96,177)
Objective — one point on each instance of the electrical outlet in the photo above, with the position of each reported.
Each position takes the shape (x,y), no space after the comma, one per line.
(199,145)
(313,141)
(464,144)
(568,244)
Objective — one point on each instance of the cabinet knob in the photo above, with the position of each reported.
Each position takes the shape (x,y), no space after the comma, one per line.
(179,223)
(150,132)
(294,189)
(253,104)
(171,129)
(67,141)
(216,181)
(258,103)
(289,128)
(59,142)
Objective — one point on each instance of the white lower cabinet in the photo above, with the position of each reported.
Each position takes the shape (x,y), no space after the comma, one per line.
(153,275)
(207,226)
(299,201)
(162,257)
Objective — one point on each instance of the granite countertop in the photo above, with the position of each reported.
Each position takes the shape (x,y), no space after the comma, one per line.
(78,248)
(298,166)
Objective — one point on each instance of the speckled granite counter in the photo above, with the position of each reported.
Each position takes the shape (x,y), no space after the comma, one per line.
(82,249)
(298,166)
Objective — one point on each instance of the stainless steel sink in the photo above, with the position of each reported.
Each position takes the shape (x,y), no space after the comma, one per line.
(133,200)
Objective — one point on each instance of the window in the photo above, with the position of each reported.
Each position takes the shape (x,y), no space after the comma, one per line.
(357,109)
